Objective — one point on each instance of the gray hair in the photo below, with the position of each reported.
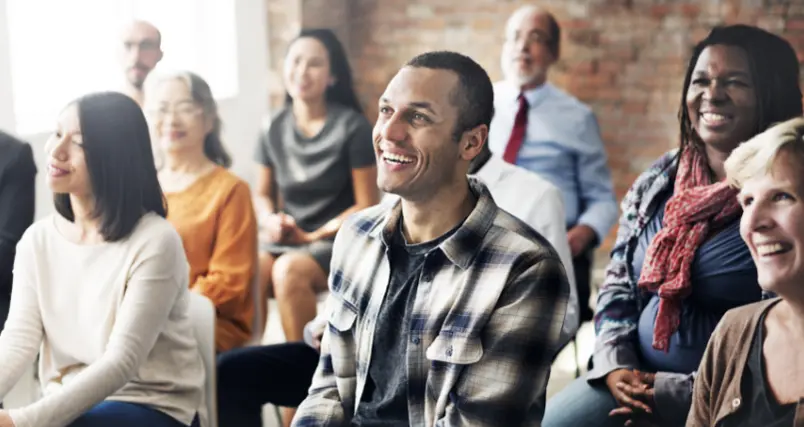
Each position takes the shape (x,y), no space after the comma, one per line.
(202,95)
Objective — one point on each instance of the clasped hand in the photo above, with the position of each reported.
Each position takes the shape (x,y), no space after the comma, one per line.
(282,228)
(634,392)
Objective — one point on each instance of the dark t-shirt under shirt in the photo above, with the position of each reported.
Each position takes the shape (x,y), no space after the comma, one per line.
(385,399)
(761,407)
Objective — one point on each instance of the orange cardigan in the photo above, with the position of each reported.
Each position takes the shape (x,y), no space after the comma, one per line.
(218,227)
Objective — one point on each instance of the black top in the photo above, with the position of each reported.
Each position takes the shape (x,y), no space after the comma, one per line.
(385,399)
(761,407)
(17,201)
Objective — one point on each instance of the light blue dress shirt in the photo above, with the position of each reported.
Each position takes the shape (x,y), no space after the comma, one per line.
(563,145)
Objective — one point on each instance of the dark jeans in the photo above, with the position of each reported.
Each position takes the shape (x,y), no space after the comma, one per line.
(582,265)
(121,414)
(250,377)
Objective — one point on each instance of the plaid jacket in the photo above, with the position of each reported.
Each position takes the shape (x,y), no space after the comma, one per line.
(487,318)
(620,302)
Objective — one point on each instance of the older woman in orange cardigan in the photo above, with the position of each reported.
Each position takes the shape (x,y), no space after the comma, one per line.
(209,206)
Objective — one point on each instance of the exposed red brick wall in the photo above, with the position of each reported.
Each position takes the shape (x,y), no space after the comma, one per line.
(625,58)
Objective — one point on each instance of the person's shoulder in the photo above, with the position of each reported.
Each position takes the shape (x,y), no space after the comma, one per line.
(665,160)
(740,317)
(523,178)
(14,150)
(279,116)
(221,174)
(503,87)
(366,220)
(275,123)
(559,98)
(518,239)
(153,229)
(41,229)
(739,324)
(10,143)
(350,118)
(664,164)
(155,238)
(227,181)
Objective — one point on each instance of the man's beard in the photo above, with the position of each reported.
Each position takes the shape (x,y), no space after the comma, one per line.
(514,75)
(135,81)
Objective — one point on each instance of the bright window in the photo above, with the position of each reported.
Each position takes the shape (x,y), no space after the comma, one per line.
(61,50)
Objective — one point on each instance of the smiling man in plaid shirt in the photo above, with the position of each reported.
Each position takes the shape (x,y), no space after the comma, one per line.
(444,310)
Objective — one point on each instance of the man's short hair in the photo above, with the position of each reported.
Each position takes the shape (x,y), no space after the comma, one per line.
(474,94)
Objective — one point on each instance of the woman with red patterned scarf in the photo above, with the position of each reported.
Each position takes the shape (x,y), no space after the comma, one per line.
(679,262)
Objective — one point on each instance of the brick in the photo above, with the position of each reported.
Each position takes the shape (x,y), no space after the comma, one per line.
(690,10)
(419,11)
(659,11)
(634,107)
(796,9)
(796,24)
(588,37)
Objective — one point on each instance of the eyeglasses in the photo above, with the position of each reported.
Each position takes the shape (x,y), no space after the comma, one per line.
(183,111)
(145,45)
(535,36)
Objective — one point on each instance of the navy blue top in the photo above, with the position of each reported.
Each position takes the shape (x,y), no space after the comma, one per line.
(723,277)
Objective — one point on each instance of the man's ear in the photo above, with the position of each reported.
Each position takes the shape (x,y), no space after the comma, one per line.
(472,142)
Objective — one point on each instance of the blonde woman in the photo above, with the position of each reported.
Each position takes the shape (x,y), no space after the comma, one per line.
(752,373)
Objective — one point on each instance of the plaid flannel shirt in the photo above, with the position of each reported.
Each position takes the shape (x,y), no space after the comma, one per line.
(487,318)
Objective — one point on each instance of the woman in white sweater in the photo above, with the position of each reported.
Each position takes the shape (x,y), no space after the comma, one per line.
(100,288)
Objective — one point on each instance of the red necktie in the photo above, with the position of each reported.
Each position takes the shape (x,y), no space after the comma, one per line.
(518,133)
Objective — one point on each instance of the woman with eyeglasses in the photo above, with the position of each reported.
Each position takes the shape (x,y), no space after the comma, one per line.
(209,206)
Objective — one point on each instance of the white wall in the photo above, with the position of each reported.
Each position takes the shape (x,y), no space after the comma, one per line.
(242,115)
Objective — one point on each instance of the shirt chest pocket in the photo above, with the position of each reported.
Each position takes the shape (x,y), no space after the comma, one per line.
(341,323)
(449,357)
(342,320)
(455,350)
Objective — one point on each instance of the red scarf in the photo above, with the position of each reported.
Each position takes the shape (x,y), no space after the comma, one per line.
(697,205)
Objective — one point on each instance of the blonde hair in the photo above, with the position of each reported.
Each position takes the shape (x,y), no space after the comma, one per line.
(202,95)
(757,156)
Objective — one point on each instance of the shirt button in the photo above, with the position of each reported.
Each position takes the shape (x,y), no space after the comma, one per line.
(427,277)
(415,340)
(449,351)
(735,403)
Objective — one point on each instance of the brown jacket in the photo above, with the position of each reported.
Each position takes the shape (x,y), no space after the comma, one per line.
(716,395)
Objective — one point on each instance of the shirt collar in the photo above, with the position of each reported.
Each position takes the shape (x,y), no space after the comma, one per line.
(461,247)
(533,96)
(490,172)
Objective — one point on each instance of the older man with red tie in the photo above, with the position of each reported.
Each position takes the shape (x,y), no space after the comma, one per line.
(546,131)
